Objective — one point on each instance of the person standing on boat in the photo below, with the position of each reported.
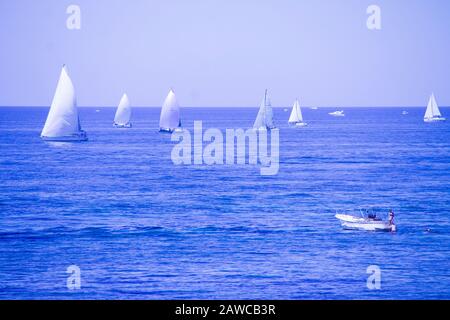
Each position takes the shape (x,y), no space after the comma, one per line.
(391,217)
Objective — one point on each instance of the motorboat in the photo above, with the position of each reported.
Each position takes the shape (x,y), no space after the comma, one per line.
(337,113)
(367,222)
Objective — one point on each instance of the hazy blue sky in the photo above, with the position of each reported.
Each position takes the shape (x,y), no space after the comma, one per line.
(225,53)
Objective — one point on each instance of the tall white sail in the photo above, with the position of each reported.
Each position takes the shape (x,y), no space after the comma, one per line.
(296,114)
(123,113)
(170,113)
(62,120)
(264,119)
(432,109)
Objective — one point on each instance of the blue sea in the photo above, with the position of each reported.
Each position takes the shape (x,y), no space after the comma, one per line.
(139,227)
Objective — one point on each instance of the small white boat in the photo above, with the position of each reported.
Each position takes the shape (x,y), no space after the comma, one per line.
(122,118)
(369,223)
(314,108)
(63,123)
(296,118)
(433,113)
(405,113)
(264,119)
(170,119)
(337,113)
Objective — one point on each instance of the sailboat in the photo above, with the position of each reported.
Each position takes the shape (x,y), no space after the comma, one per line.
(123,113)
(264,119)
(433,114)
(170,120)
(296,117)
(63,122)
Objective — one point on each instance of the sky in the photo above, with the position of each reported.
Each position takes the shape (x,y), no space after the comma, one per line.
(225,53)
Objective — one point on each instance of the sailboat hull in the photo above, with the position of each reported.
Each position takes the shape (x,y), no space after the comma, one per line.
(79,137)
(169,130)
(434,119)
(127,125)
(266,129)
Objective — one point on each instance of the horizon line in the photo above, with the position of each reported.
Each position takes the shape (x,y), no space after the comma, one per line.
(229,107)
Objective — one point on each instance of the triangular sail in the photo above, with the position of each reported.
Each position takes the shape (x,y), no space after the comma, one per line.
(264,119)
(62,119)
(432,109)
(296,114)
(260,118)
(170,113)
(123,113)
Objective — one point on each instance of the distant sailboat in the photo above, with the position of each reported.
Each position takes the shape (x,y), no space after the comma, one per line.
(433,114)
(63,123)
(337,113)
(264,119)
(170,120)
(123,113)
(296,117)
(314,108)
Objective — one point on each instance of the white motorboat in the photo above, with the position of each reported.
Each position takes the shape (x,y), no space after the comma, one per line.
(367,223)
(337,113)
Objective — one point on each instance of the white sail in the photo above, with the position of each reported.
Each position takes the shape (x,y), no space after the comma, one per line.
(123,113)
(264,119)
(432,108)
(433,114)
(62,119)
(170,113)
(296,114)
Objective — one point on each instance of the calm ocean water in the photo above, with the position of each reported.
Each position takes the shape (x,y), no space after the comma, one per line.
(141,228)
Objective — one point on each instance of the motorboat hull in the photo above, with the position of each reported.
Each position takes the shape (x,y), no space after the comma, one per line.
(355,223)
(337,114)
